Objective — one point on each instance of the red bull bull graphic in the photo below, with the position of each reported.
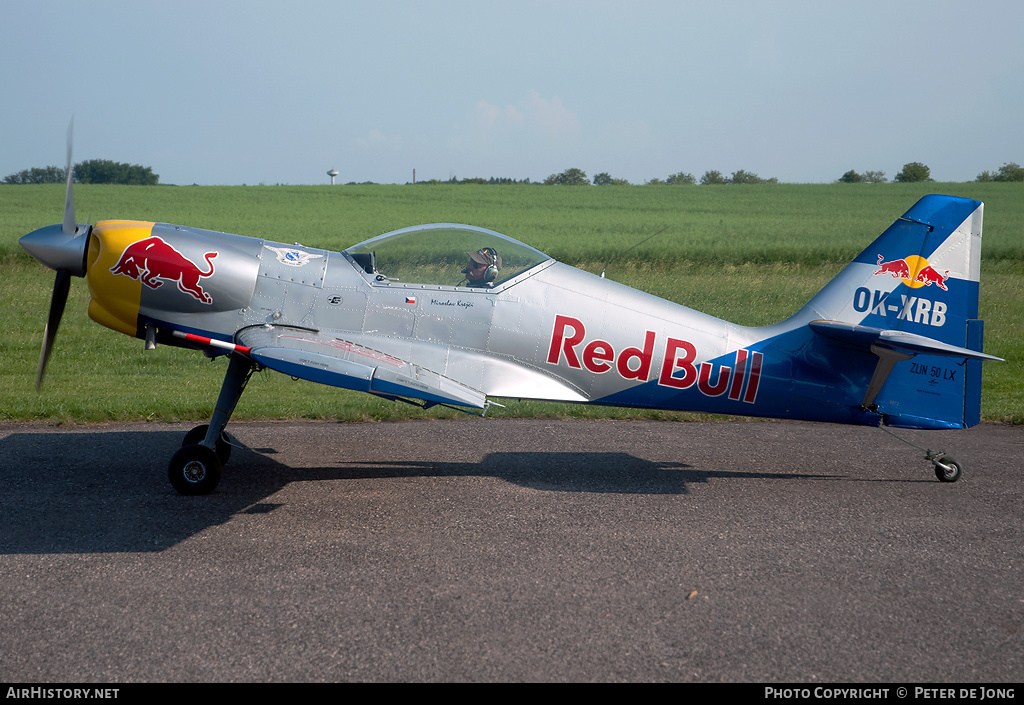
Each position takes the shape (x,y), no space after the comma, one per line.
(928,274)
(152,260)
(914,271)
(898,268)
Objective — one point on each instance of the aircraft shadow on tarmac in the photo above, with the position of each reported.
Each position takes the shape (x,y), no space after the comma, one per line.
(108,491)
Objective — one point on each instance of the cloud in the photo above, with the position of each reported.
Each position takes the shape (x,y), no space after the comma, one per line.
(529,119)
(551,116)
(376,140)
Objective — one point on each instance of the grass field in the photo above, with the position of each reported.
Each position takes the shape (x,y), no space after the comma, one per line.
(750,254)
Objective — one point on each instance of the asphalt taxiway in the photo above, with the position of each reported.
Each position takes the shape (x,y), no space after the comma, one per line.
(513,550)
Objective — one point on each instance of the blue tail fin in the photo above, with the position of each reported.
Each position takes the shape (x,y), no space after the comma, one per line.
(911,299)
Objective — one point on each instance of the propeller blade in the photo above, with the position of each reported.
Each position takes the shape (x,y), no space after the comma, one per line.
(61,286)
(69,196)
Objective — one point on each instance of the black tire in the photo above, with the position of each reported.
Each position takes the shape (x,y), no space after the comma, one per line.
(198,434)
(948,469)
(194,470)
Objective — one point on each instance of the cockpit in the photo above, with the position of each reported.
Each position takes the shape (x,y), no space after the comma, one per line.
(445,254)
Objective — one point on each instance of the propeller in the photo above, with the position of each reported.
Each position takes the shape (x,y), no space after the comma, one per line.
(70,226)
(64,248)
(57,302)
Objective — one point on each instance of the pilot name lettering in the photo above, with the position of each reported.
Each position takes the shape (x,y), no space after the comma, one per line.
(456,303)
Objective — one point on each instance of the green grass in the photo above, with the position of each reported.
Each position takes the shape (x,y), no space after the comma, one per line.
(749,254)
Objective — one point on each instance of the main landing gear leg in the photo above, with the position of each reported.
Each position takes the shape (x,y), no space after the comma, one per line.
(196,467)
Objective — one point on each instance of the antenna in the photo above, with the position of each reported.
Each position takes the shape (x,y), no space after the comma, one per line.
(332,173)
(632,248)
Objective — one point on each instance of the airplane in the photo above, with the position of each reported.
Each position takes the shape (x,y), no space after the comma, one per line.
(458,315)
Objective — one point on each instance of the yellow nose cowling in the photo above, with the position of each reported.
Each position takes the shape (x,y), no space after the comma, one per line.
(115,299)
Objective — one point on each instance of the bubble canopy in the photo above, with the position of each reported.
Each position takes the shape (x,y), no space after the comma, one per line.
(437,254)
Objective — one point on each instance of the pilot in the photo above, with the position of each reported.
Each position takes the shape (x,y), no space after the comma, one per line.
(483,267)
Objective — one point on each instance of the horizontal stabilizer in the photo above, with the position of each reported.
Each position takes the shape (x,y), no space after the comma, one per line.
(867,336)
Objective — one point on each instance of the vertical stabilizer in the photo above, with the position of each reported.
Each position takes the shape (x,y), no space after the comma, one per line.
(920,276)
(911,300)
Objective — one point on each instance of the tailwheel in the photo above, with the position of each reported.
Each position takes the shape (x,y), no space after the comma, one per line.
(198,434)
(194,470)
(947,469)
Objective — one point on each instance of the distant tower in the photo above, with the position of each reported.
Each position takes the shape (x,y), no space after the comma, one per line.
(332,173)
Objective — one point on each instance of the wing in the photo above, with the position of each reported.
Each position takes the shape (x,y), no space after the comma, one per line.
(331,360)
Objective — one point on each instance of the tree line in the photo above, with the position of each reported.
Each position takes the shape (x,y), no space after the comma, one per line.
(916,171)
(911,172)
(92,171)
(1007,172)
(577,177)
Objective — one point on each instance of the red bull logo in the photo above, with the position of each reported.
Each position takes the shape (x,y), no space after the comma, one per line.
(914,271)
(679,368)
(152,260)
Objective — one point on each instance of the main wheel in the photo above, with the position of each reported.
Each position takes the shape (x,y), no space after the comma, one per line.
(948,469)
(194,469)
(198,434)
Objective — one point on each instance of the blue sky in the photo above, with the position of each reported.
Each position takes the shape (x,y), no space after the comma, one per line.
(233,92)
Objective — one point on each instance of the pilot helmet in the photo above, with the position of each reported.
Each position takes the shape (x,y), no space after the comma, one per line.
(486,255)
(490,258)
